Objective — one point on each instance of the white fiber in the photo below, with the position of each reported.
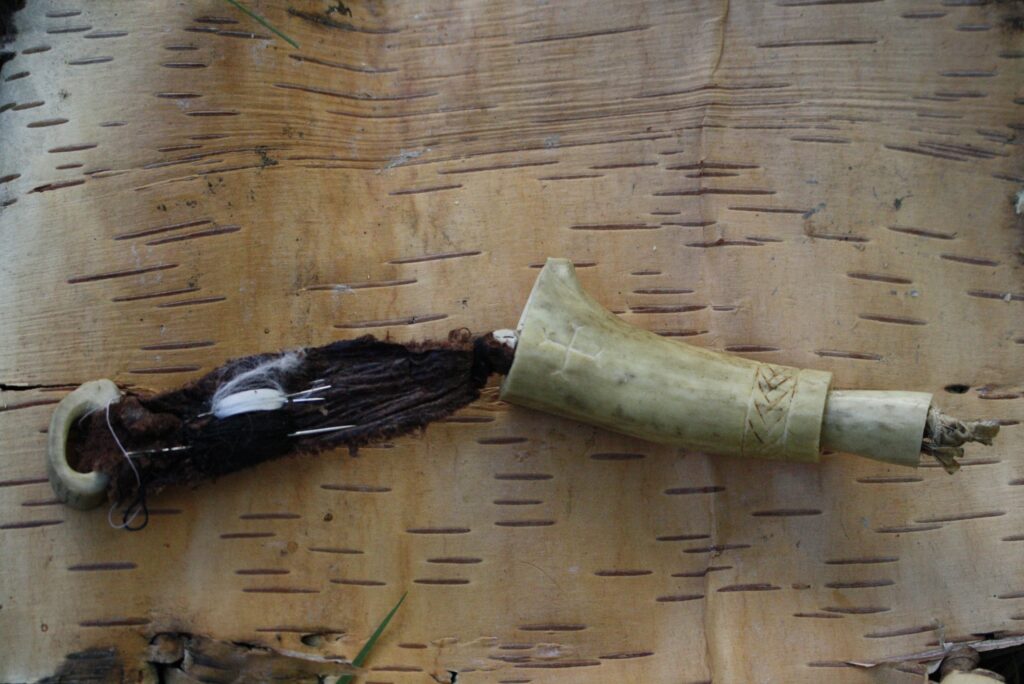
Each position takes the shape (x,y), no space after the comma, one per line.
(256,389)
(248,401)
(509,338)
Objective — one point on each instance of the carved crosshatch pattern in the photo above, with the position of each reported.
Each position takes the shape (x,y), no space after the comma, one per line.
(765,433)
(804,182)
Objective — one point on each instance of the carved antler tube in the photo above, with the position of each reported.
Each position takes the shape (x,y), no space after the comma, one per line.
(576,359)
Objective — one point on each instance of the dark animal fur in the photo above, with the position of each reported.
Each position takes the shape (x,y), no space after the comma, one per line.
(382,388)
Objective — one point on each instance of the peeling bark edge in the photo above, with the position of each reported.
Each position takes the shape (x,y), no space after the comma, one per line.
(177,657)
(8,8)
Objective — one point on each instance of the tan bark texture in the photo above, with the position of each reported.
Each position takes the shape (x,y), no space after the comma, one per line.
(826,184)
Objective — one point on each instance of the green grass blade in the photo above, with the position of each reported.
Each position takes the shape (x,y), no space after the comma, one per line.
(263,21)
(364,652)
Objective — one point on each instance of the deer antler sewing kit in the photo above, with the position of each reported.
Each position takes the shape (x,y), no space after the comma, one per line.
(567,356)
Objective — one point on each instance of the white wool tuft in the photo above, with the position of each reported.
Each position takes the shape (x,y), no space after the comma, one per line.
(248,401)
(256,389)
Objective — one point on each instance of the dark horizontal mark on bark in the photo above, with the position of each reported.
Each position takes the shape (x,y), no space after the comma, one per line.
(342,287)
(29,524)
(695,192)
(434,257)
(770,210)
(810,3)
(578,176)
(617,456)
(717,548)
(818,42)
(897,320)
(867,560)
(710,489)
(100,567)
(961,516)
(576,264)
(582,34)
(821,139)
(72,148)
(21,482)
(173,346)
(682,537)
(409,320)
(860,584)
(679,598)
(89,60)
(625,655)
(906,529)
(921,232)
(614,226)
(341,65)
(456,560)
(667,308)
(970,261)
(880,278)
(28,404)
(154,295)
(902,631)
(497,167)
(192,302)
(524,523)
(855,610)
(119,274)
(623,165)
(369,489)
(498,441)
(356,97)
(838,238)
(557,664)
(420,191)
(218,230)
(925,152)
(58,185)
(213,113)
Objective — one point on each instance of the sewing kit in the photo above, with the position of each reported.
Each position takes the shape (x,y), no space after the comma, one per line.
(567,356)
